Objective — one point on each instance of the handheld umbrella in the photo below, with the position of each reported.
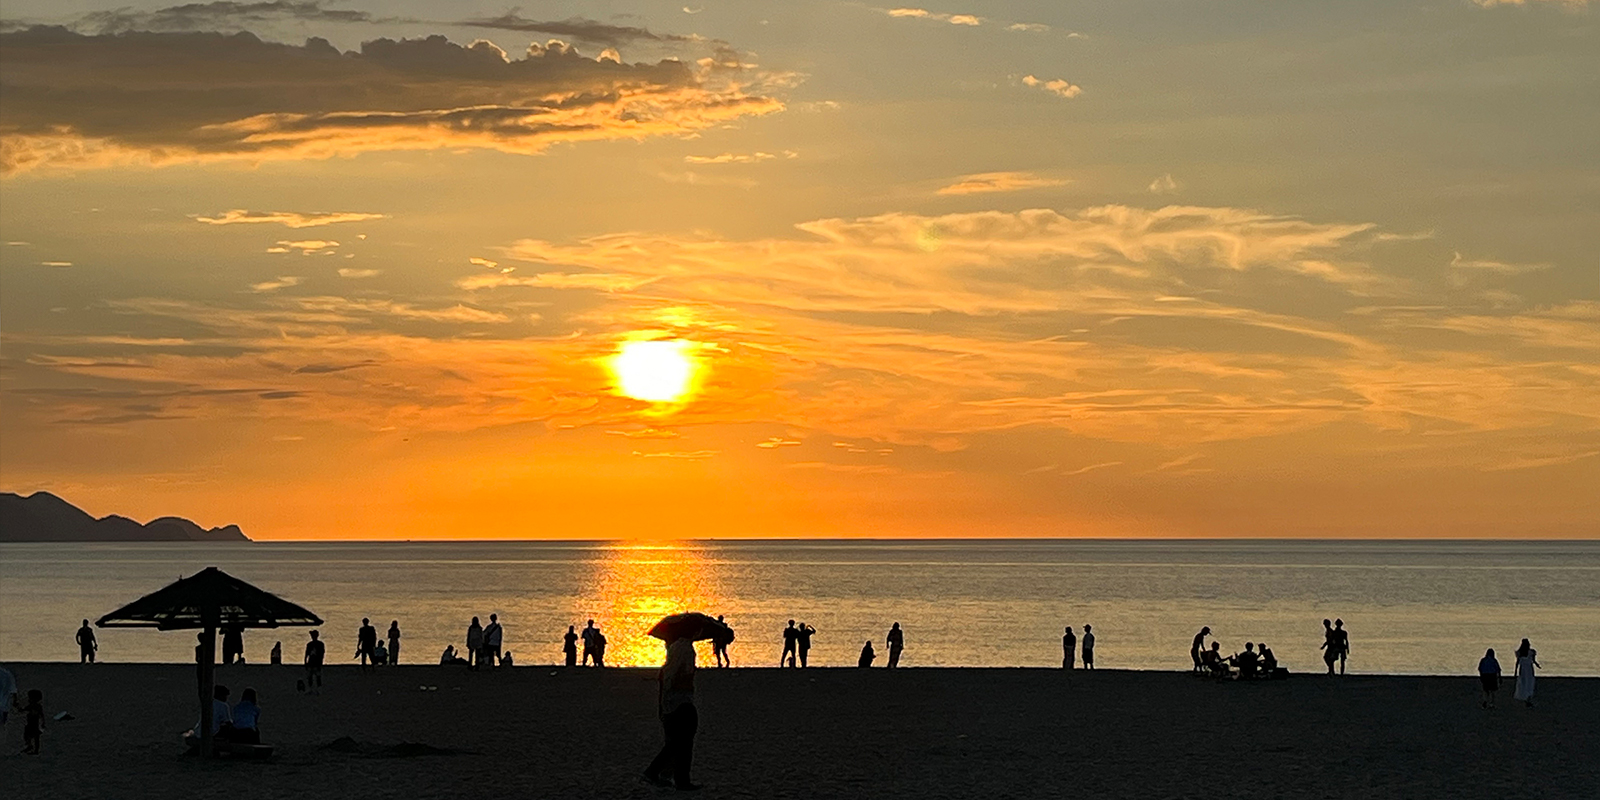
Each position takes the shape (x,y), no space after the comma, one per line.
(691,625)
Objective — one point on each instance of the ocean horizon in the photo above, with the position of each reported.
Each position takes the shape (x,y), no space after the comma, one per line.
(1411,606)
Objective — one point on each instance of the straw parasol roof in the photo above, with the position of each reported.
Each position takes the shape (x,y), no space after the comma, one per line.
(209,598)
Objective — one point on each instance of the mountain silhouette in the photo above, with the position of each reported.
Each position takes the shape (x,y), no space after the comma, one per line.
(43,517)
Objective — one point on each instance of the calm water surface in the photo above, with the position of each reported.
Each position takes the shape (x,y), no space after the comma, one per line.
(1411,607)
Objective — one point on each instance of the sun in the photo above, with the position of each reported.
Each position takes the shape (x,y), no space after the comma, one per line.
(661,371)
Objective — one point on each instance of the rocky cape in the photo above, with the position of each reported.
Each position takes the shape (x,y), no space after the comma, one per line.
(43,517)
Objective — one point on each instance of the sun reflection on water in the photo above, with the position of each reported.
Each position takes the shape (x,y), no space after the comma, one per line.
(638,584)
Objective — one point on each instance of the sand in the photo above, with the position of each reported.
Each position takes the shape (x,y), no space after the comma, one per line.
(533,732)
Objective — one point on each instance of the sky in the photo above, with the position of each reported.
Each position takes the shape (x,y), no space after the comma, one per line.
(1145,268)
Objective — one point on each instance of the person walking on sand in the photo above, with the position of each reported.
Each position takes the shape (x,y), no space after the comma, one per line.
(1342,639)
(867,655)
(804,634)
(1069,648)
(569,645)
(367,644)
(588,642)
(791,641)
(1489,676)
(394,642)
(1088,647)
(492,636)
(897,642)
(1527,662)
(1198,647)
(679,718)
(1330,645)
(315,650)
(86,644)
(474,643)
(719,645)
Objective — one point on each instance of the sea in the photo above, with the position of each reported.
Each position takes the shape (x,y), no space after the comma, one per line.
(1411,607)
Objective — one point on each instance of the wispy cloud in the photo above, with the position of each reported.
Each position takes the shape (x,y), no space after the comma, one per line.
(348,272)
(282,282)
(1058,87)
(923,13)
(55,263)
(1457,261)
(305,246)
(291,219)
(986,182)
(1165,184)
(740,158)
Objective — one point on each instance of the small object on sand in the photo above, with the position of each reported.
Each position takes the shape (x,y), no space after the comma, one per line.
(63,717)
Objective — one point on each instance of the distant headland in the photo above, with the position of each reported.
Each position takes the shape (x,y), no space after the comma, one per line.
(43,517)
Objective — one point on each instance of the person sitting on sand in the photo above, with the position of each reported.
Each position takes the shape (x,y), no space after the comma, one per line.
(1269,661)
(221,717)
(506,660)
(1088,647)
(569,645)
(32,722)
(867,655)
(1489,676)
(380,655)
(1212,661)
(1069,648)
(1198,648)
(1247,661)
(276,656)
(86,644)
(246,716)
(450,657)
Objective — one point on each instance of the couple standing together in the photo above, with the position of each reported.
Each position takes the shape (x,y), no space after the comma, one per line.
(796,643)
(1335,644)
(483,643)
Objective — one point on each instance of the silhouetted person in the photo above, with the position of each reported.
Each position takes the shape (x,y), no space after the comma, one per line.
(679,719)
(380,654)
(366,643)
(1088,647)
(1330,645)
(221,718)
(315,650)
(1489,676)
(1069,648)
(867,655)
(1527,662)
(232,644)
(897,642)
(394,642)
(569,645)
(474,643)
(1247,662)
(32,722)
(1342,638)
(588,642)
(202,655)
(1199,646)
(599,648)
(803,634)
(1212,661)
(86,644)
(506,660)
(719,645)
(449,656)
(791,642)
(492,636)
(1269,661)
(8,696)
(246,716)
(276,656)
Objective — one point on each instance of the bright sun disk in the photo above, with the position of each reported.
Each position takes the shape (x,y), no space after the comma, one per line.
(655,371)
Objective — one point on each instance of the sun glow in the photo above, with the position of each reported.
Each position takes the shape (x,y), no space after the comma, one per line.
(655,371)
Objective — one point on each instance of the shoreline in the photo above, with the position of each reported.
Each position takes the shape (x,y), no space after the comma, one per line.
(908,733)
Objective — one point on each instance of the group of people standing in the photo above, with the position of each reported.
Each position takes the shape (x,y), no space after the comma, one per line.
(1069,646)
(594,645)
(1489,674)
(371,651)
(484,643)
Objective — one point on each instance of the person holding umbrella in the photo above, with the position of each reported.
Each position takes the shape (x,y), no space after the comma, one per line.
(675,695)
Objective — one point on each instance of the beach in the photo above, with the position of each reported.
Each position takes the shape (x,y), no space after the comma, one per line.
(835,732)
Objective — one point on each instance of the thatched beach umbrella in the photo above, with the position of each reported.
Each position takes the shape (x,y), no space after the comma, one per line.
(207,600)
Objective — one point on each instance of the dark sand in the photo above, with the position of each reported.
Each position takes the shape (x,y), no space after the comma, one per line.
(913,733)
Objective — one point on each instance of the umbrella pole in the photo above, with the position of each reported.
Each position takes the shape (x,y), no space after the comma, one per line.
(208,650)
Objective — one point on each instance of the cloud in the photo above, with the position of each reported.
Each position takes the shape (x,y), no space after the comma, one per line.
(160,98)
(1030,27)
(576,28)
(922,13)
(986,182)
(292,219)
(1093,467)
(604,282)
(347,272)
(740,158)
(1496,267)
(55,263)
(1057,87)
(775,442)
(305,246)
(1569,4)
(283,282)
(218,16)
(1164,185)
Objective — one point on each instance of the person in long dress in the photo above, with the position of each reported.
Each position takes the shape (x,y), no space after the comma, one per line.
(1527,662)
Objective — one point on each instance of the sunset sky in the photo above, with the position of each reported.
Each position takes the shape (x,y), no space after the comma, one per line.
(1132,268)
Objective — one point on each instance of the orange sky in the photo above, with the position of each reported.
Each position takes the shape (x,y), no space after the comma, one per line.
(1058,271)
